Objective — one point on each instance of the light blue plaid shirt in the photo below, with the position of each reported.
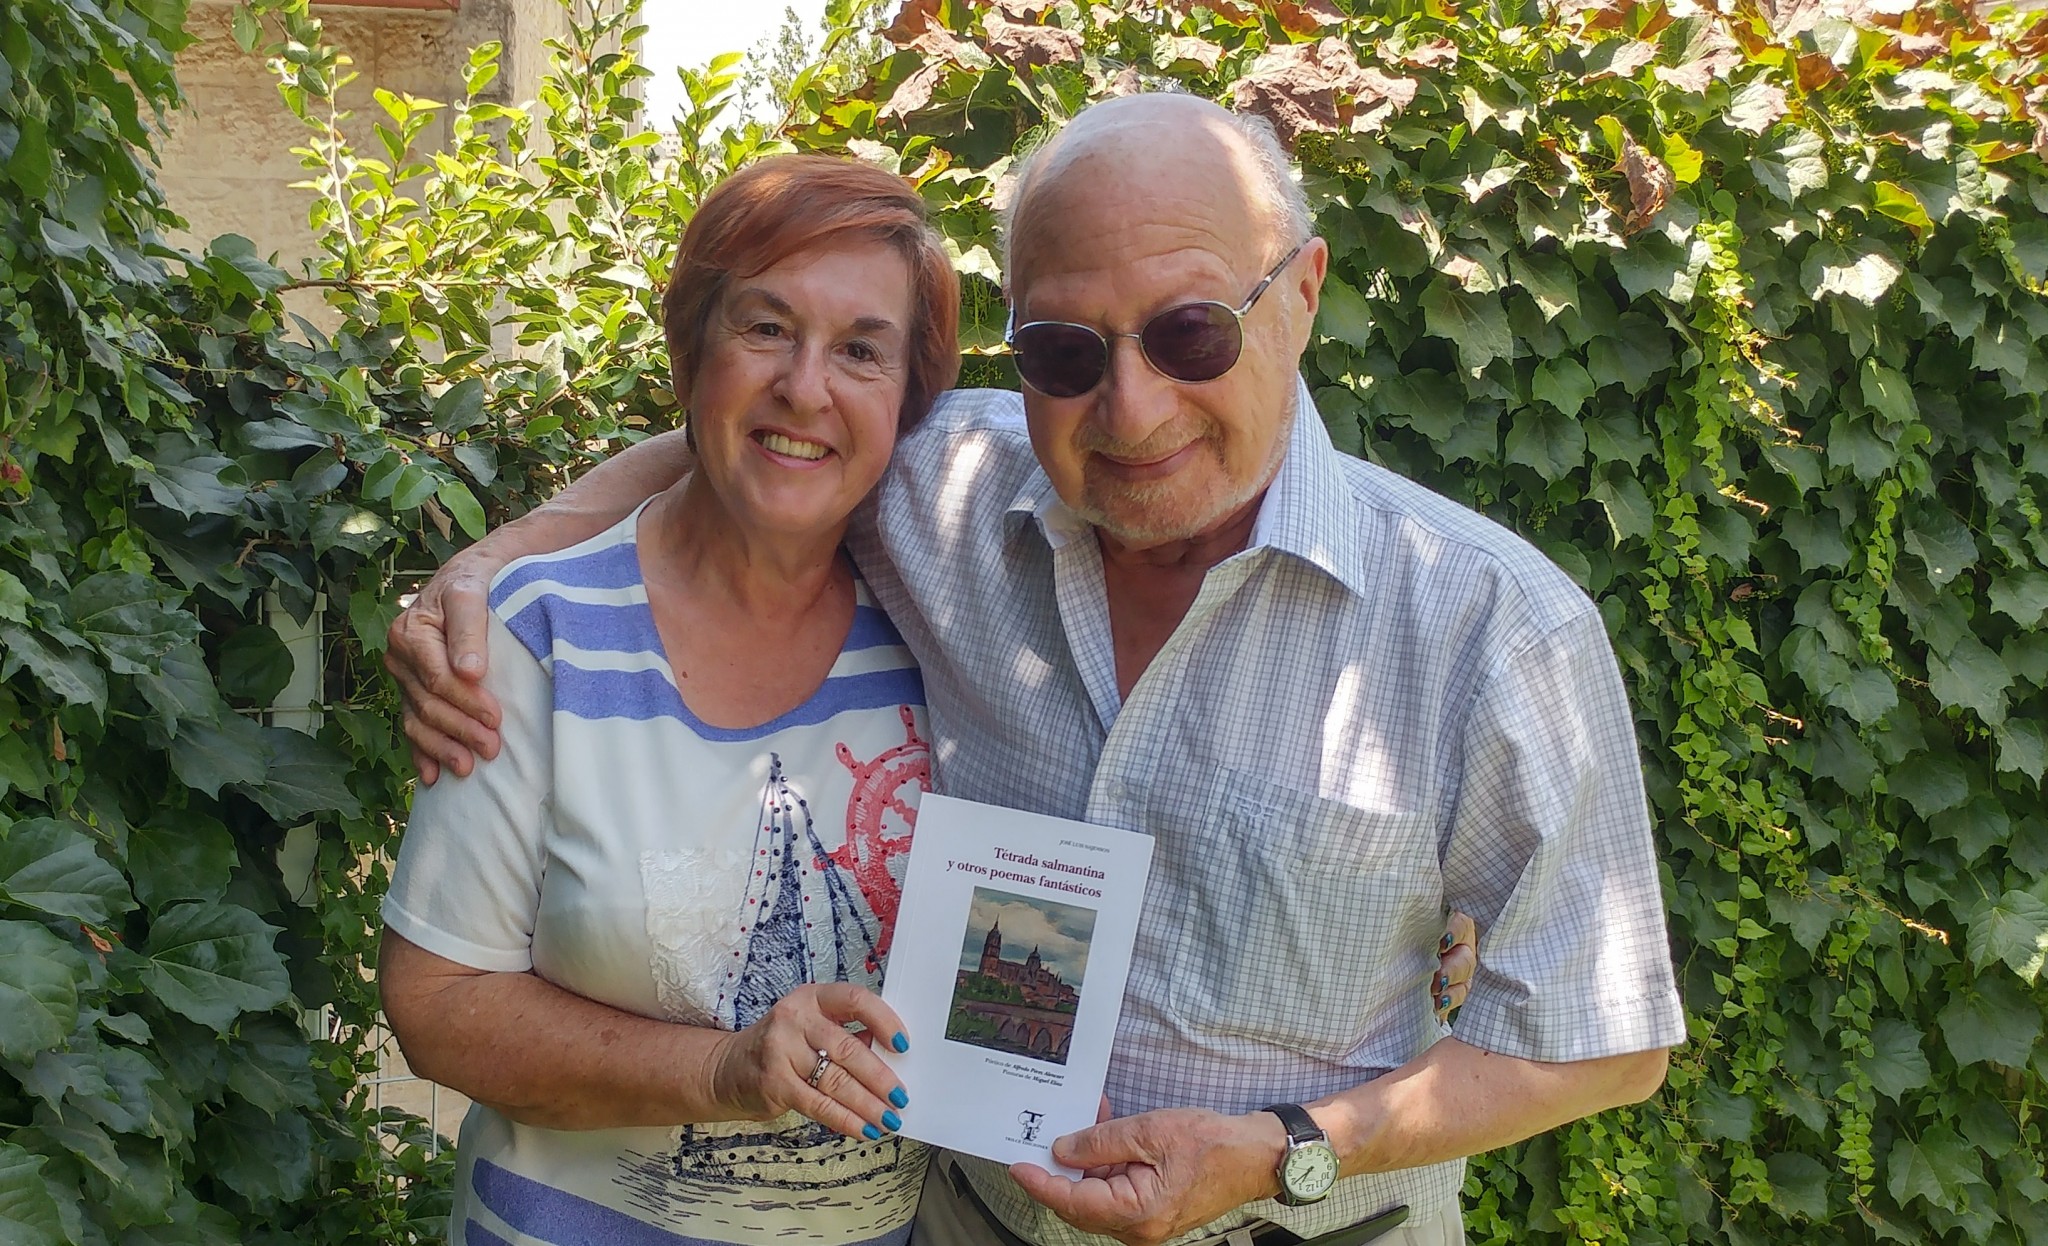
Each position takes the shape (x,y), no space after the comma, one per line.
(1385,705)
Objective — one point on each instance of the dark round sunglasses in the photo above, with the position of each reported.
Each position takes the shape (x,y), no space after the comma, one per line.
(1188,342)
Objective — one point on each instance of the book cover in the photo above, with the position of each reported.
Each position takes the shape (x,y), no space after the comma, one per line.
(1012,945)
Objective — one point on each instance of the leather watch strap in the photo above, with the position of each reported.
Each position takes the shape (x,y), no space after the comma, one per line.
(1300,1126)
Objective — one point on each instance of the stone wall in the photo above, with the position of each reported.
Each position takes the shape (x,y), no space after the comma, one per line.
(227,160)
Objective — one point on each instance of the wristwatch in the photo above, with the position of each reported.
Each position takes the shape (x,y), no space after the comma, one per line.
(1308,1169)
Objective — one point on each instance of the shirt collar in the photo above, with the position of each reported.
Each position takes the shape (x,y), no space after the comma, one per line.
(1309,511)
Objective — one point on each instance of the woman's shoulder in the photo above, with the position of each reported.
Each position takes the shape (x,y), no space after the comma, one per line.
(591,595)
(608,561)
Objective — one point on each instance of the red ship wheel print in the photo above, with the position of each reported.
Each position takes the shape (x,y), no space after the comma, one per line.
(881,787)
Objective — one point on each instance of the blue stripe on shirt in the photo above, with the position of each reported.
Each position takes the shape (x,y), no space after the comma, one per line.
(871,630)
(474,1234)
(641,695)
(614,566)
(560,1218)
(548,620)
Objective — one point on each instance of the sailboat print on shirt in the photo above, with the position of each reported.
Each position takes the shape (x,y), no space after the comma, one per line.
(804,919)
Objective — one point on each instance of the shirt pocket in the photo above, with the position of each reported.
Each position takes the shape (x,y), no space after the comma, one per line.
(1302,918)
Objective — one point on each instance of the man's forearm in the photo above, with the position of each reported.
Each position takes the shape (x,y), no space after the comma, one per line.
(599,498)
(1457,1100)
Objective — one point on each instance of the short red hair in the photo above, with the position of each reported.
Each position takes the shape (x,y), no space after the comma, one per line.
(784,205)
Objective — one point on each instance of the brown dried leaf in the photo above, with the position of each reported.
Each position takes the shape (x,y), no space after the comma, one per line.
(1023,10)
(937,42)
(1628,61)
(1304,17)
(1226,10)
(1650,183)
(1127,82)
(1757,108)
(1428,55)
(1597,14)
(1024,46)
(1188,48)
(1293,112)
(2037,112)
(912,20)
(1817,71)
(442,522)
(2034,40)
(914,92)
(1909,49)
(1379,98)
(1296,88)
(1791,18)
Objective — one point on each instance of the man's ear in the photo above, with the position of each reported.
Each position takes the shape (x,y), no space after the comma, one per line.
(1315,266)
(1305,293)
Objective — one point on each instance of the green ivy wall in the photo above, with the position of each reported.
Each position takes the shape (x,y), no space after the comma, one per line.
(1738,314)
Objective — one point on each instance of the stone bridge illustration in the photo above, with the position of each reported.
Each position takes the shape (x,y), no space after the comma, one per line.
(1041,1033)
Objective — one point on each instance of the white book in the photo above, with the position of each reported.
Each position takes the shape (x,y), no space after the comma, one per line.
(1012,944)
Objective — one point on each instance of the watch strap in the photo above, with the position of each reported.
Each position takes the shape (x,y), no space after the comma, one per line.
(1300,1126)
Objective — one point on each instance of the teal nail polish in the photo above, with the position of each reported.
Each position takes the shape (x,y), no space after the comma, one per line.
(898,1098)
(893,1121)
(1443,1003)
(1443,983)
(871,1133)
(899,1042)
(1446,944)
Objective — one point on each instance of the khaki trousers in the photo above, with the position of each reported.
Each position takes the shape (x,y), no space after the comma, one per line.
(945,1218)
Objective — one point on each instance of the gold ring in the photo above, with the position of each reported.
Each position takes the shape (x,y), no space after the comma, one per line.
(817,1072)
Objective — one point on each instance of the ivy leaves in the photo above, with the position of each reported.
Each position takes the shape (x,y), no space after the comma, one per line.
(39,979)
(47,865)
(1733,316)
(213,963)
(176,477)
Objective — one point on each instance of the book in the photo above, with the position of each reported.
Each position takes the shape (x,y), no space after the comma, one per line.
(1012,944)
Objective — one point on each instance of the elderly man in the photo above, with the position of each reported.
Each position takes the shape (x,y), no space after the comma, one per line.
(1336,700)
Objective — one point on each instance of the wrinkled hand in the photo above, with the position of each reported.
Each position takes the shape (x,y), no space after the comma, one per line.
(764,1070)
(435,650)
(1457,960)
(1157,1175)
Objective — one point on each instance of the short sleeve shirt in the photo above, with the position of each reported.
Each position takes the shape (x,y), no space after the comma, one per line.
(624,850)
(1385,705)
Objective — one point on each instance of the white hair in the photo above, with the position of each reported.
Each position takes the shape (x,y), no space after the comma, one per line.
(1277,184)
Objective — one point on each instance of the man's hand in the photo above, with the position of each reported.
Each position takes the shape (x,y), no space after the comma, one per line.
(1457,960)
(436,648)
(1154,1176)
(435,651)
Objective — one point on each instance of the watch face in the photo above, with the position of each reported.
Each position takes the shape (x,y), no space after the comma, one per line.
(1310,1171)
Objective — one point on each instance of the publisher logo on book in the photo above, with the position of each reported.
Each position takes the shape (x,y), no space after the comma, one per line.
(1031,1123)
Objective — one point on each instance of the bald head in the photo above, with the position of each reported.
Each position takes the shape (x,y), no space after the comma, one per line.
(1140,152)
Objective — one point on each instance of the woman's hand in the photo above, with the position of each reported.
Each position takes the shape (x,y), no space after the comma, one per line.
(764,1070)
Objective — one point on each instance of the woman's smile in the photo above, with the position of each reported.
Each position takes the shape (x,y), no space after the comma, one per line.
(783,446)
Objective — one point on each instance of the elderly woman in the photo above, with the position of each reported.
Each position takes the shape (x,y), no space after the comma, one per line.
(637,938)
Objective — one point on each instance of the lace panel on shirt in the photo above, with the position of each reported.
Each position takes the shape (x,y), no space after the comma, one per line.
(693,899)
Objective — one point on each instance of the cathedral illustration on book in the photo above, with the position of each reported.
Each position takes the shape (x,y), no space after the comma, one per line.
(1041,986)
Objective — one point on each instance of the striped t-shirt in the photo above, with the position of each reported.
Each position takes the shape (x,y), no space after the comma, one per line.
(623,849)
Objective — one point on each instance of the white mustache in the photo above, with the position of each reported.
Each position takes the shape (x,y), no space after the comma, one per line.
(1166,441)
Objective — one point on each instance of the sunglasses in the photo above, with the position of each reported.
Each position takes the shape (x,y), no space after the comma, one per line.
(1189,342)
